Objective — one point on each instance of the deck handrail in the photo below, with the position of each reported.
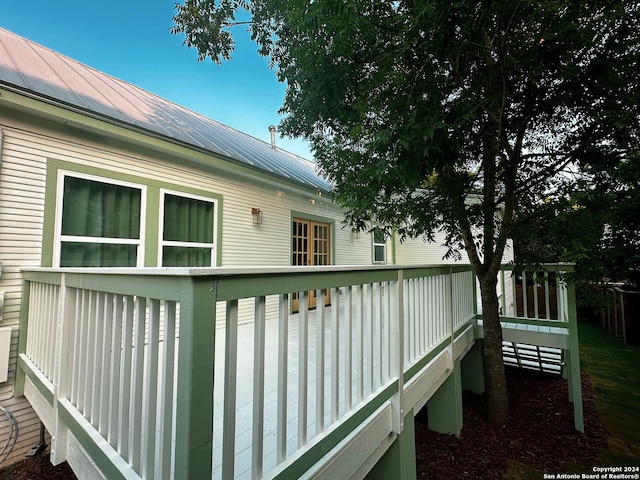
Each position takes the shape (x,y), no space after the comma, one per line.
(149,336)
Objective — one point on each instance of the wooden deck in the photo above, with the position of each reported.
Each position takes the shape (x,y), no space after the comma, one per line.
(321,393)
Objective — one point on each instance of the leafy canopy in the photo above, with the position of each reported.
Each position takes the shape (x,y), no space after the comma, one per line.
(453,115)
(431,114)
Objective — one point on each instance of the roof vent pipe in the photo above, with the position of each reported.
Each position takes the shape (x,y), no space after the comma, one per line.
(272,130)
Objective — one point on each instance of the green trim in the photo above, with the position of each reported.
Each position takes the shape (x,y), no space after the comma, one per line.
(195,383)
(532,321)
(44,390)
(399,461)
(328,443)
(472,321)
(47,276)
(82,433)
(413,370)
(150,286)
(573,364)
(152,219)
(152,227)
(242,286)
(22,335)
(445,406)
(393,247)
(419,272)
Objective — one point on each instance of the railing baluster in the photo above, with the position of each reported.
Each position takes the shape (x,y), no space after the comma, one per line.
(151,390)
(547,297)
(137,378)
(371,324)
(359,344)
(534,283)
(166,391)
(257,441)
(114,374)
(84,350)
(91,348)
(320,353)
(125,377)
(75,312)
(283,353)
(380,332)
(303,367)
(348,345)
(230,379)
(335,354)
(107,362)
(525,300)
(51,303)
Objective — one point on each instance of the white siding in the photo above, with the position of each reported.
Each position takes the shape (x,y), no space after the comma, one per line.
(22,193)
(419,251)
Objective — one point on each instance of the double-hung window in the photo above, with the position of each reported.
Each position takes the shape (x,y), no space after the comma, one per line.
(379,245)
(100,223)
(188,231)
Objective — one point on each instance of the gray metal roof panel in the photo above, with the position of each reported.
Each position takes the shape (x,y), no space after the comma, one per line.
(39,70)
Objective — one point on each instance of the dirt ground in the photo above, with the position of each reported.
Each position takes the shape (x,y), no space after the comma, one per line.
(539,435)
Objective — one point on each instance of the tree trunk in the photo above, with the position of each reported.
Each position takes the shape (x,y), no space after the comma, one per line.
(496,385)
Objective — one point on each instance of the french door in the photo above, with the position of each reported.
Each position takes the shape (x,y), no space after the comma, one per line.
(311,246)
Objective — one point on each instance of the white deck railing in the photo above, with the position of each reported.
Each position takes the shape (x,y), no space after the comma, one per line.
(138,367)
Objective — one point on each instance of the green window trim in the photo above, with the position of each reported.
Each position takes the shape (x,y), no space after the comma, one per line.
(379,252)
(150,222)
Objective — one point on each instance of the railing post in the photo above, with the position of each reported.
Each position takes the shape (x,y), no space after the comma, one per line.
(573,358)
(22,336)
(397,345)
(62,352)
(194,410)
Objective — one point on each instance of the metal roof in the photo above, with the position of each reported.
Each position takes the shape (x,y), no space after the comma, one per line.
(29,67)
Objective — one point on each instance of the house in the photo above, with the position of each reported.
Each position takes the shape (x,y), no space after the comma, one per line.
(107,193)
(98,172)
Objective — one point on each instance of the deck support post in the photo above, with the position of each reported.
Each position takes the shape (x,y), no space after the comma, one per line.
(399,461)
(63,359)
(472,369)
(573,360)
(194,412)
(445,406)
(18,388)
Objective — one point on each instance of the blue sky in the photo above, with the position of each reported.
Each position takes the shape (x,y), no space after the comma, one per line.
(130,40)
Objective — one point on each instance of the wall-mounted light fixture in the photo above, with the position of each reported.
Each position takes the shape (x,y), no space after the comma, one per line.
(256,213)
(355,233)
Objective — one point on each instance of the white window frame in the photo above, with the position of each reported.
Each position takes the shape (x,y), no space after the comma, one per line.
(162,243)
(378,244)
(59,238)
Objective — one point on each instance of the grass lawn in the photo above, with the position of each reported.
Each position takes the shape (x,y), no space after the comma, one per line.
(614,369)
(615,375)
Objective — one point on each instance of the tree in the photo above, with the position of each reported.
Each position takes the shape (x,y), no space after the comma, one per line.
(595,224)
(432,115)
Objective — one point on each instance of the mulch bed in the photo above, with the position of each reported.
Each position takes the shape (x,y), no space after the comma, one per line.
(37,468)
(540,433)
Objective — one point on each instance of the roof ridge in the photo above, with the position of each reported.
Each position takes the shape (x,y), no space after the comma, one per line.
(99,72)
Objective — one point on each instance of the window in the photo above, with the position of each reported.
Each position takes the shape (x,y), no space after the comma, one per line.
(379,246)
(188,231)
(100,223)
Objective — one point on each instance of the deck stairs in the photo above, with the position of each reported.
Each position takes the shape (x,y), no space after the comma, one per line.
(533,357)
